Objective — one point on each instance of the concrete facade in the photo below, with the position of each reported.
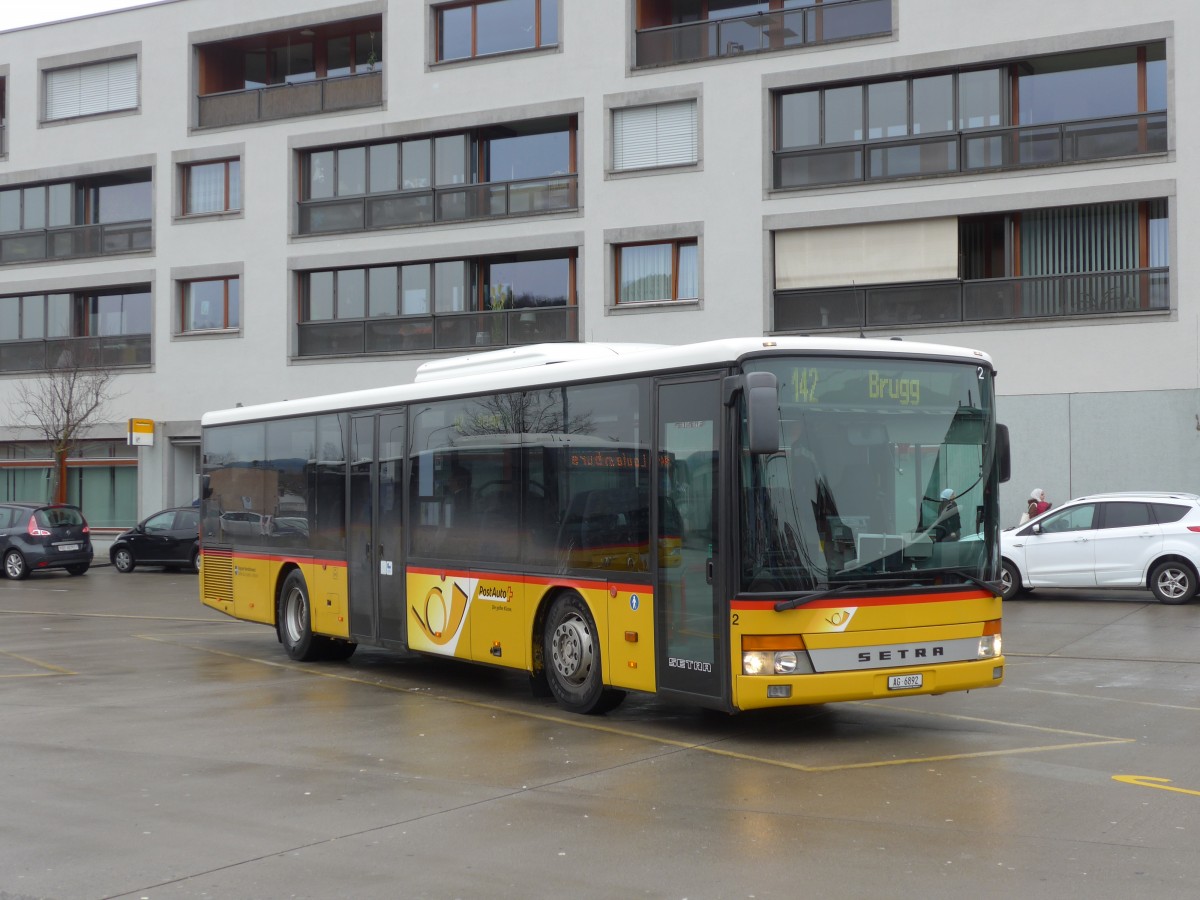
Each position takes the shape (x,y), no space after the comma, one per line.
(1094,402)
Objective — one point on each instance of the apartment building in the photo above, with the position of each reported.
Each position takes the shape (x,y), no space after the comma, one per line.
(231,203)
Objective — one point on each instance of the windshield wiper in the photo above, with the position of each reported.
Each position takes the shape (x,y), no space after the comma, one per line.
(784,605)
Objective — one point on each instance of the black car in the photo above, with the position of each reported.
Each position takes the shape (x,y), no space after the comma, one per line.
(170,537)
(35,536)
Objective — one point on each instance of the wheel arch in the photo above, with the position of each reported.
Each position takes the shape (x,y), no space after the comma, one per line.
(1167,558)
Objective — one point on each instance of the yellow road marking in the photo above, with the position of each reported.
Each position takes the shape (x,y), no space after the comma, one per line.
(50,668)
(1112,699)
(1151,782)
(581,723)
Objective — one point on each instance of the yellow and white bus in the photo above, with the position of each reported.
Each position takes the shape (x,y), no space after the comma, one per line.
(736,524)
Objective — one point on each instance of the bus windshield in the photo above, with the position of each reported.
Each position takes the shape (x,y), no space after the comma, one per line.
(885,475)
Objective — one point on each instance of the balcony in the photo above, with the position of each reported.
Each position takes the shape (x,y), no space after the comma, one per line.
(116,351)
(783,30)
(446,331)
(451,203)
(75,242)
(285,101)
(956,302)
(977,150)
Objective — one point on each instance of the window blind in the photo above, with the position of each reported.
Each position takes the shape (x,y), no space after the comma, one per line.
(660,135)
(883,253)
(93,88)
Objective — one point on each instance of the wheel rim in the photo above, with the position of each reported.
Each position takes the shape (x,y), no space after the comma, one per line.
(1173,583)
(294,615)
(14,565)
(123,560)
(571,650)
(1006,581)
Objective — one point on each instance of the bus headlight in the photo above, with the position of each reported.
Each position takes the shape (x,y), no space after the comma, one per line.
(757,662)
(768,662)
(989,646)
(785,662)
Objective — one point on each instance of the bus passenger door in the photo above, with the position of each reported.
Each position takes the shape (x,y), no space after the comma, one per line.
(688,601)
(375,527)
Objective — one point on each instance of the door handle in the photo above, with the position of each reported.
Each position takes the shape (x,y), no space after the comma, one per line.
(708,570)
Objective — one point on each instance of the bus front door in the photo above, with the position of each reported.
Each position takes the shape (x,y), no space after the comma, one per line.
(688,603)
(374,534)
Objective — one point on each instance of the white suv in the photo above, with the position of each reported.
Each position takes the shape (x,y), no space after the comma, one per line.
(1129,540)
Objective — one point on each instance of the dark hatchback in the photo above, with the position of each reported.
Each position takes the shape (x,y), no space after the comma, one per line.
(170,537)
(36,536)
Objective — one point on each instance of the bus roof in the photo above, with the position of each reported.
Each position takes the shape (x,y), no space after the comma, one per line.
(539,365)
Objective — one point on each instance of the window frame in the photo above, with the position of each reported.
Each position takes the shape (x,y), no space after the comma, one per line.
(437,30)
(229,165)
(676,245)
(185,296)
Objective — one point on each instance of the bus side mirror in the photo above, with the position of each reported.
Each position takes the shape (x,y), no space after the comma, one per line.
(761,390)
(1004,453)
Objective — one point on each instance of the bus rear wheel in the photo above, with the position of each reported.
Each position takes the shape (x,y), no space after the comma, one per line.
(295,620)
(571,649)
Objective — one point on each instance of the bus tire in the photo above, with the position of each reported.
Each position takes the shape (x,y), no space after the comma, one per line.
(571,649)
(295,620)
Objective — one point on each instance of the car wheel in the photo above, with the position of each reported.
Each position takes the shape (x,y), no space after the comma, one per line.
(122,560)
(15,566)
(1010,581)
(196,560)
(78,569)
(295,621)
(1173,583)
(571,649)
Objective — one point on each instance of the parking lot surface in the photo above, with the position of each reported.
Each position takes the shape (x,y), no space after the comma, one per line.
(154,748)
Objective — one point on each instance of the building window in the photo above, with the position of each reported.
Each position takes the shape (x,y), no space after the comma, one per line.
(211,304)
(669,32)
(94,216)
(516,169)
(657,272)
(101,475)
(299,72)
(212,187)
(486,27)
(1053,110)
(663,134)
(1097,260)
(101,328)
(482,301)
(91,89)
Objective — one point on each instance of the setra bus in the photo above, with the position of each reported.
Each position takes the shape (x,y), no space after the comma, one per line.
(735,524)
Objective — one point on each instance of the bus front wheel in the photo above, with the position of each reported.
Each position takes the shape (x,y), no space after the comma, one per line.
(571,649)
(295,620)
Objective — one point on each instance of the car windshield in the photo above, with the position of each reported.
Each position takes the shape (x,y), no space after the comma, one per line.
(58,516)
(883,476)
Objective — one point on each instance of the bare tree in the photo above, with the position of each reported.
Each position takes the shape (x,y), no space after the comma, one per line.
(62,403)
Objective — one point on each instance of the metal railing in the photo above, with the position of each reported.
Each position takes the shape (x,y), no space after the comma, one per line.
(284,101)
(116,351)
(448,203)
(76,241)
(441,331)
(782,30)
(992,299)
(977,150)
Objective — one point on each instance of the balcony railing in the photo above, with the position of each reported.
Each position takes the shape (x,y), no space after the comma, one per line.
(75,242)
(784,30)
(947,302)
(285,101)
(978,150)
(442,331)
(116,351)
(450,203)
